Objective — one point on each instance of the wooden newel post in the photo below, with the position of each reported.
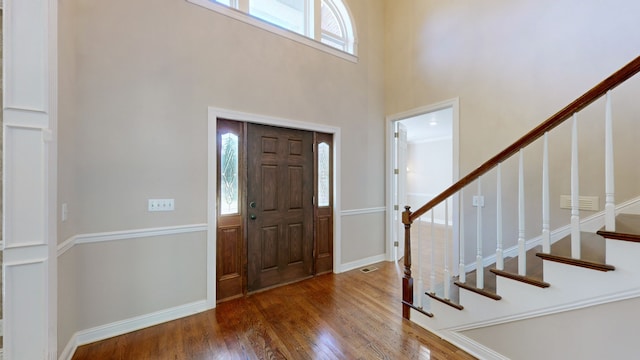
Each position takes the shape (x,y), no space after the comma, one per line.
(407,280)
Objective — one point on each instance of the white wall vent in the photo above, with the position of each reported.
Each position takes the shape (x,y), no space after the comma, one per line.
(590,203)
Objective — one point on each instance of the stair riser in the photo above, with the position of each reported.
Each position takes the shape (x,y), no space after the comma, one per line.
(624,255)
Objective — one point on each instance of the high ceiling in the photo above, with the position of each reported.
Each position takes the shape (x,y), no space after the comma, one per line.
(430,126)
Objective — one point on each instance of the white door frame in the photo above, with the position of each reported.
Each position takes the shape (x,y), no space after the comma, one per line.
(214,114)
(30,179)
(391,155)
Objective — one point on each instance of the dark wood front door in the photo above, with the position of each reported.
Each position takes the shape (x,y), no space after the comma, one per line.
(280,205)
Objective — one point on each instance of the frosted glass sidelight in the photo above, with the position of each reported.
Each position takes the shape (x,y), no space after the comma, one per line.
(229,174)
(323,174)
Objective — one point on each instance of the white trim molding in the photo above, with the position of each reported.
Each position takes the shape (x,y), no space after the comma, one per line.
(362,262)
(373,210)
(471,346)
(453,103)
(127,234)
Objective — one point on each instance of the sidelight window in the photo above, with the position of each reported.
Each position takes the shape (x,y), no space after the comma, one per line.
(324,172)
(229,174)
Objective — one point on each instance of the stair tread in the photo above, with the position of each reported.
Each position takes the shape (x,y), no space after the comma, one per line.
(533,270)
(450,302)
(489,288)
(628,223)
(522,278)
(592,247)
(627,228)
(592,252)
(484,292)
(454,292)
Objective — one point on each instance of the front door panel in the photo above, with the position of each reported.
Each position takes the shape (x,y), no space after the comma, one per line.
(280,211)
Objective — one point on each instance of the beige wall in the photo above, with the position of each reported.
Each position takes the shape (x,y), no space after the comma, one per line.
(513,64)
(146,73)
(136,78)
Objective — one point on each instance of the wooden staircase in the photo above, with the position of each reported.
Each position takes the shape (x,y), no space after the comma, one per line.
(606,272)
(592,265)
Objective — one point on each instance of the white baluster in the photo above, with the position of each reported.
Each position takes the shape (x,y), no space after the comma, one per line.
(522,251)
(433,257)
(609,207)
(499,240)
(419,290)
(546,232)
(447,273)
(479,264)
(575,192)
(462,272)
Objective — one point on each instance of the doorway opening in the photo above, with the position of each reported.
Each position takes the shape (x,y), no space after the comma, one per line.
(274,205)
(422,158)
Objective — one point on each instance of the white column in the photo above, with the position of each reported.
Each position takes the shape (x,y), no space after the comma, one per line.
(447,273)
(522,251)
(546,232)
(609,207)
(30,173)
(479,264)
(499,240)
(575,192)
(462,272)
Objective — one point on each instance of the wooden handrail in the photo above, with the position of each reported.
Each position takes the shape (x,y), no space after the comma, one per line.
(580,103)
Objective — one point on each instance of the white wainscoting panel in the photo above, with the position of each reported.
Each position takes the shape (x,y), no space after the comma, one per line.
(25,309)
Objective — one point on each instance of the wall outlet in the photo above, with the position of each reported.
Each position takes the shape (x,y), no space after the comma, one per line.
(478,200)
(161,205)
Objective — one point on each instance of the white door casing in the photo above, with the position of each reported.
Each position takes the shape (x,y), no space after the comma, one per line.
(30,186)
(400,179)
(396,233)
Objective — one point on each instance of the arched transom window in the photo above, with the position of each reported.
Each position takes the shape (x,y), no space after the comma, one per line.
(325,21)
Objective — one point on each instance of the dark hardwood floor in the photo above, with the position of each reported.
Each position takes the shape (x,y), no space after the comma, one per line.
(354,315)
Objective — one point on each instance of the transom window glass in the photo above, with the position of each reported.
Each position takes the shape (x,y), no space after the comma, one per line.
(334,28)
(229,174)
(288,14)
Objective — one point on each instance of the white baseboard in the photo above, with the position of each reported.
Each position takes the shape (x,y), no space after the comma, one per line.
(362,262)
(471,346)
(125,326)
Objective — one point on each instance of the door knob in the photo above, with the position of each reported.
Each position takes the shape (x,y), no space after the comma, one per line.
(252,217)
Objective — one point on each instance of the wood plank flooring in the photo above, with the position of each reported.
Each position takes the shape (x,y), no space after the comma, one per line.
(354,315)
